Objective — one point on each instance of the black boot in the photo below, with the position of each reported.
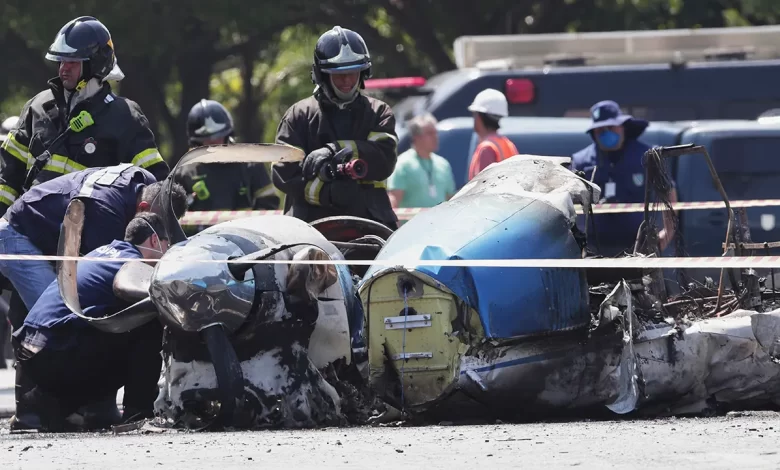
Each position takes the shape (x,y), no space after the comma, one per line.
(5,336)
(97,415)
(35,409)
(17,311)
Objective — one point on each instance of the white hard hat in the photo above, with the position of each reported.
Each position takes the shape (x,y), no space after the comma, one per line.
(490,101)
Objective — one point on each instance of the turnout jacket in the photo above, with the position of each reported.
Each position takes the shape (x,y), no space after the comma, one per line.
(368,128)
(229,187)
(120,134)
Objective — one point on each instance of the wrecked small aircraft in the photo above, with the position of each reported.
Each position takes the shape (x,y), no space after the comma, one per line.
(253,345)
(520,343)
(247,344)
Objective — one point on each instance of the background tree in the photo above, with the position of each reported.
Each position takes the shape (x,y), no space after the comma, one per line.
(256,57)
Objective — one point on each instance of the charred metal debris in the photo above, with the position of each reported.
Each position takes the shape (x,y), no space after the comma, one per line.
(686,299)
(648,348)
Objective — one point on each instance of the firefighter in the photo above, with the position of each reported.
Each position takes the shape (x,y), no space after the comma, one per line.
(77,123)
(111,196)
(64,364)
(338,116)
(223,186)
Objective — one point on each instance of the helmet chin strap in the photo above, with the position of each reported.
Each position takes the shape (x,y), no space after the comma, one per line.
(84,90)
(340,98)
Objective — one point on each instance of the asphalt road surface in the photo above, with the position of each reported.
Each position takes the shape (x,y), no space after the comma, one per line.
(741,440)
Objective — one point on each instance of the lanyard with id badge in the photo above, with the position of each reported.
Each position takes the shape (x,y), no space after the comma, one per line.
(432,192)
(610,187)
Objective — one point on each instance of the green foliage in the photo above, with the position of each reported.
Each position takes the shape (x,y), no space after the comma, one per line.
(287,79)
(175,52)
(12,105)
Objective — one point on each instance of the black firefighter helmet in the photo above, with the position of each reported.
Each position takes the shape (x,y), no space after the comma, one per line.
(208,120)
(340,51)
(87,40)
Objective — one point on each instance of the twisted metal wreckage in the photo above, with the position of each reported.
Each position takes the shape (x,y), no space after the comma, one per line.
(253,345)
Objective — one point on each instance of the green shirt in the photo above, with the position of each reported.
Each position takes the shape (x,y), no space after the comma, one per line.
(424,181)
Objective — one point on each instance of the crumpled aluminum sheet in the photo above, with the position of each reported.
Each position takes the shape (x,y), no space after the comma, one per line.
(538,177)
(283,381)
(729,359)
(647,369)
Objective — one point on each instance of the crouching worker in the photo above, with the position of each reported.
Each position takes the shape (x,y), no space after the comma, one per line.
(31,226)
(68,372)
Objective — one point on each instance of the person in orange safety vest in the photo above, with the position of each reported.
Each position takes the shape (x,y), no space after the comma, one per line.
(489,107)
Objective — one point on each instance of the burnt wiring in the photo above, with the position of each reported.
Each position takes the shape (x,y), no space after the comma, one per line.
(591,217)
(582,237)
(660,186)
(366,242)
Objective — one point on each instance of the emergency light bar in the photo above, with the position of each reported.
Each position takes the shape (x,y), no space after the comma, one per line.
(617,47)
(399,82)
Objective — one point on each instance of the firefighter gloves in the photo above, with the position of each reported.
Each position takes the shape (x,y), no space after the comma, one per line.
(314,161)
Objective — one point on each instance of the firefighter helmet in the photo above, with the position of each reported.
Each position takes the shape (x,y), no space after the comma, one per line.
(207,120)
(86,40)
(340,51)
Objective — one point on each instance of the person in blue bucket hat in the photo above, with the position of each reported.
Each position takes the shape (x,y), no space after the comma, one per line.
(616,158)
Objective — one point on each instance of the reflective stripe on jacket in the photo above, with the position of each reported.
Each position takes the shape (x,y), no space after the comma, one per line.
(368,128)
(120,134)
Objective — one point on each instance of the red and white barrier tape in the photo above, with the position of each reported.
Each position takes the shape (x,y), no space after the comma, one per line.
(215,217)
(761,262)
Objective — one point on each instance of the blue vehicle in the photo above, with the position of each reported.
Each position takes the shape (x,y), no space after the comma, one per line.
(532,136)
(742,151)
(673,75)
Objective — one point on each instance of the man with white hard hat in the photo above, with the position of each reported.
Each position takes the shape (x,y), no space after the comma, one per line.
(488,108)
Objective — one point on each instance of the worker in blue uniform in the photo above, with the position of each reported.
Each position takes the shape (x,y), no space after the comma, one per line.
(616,158)
(65,364)
(31,226)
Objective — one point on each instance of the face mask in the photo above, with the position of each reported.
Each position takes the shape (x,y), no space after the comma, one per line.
(156,250)
(608,139)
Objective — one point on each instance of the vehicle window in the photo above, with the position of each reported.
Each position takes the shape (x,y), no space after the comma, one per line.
(442,84)
(663,113)
(654,113)
(579,113)
(749,167)
(748,109)
(408,108)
